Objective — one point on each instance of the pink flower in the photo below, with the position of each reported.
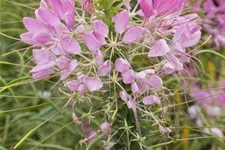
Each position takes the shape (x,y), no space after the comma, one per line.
(187,34)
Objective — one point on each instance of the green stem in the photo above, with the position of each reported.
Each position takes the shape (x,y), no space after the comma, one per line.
(213,52)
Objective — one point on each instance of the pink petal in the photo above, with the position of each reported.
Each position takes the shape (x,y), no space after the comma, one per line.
(122,65)
(124,96)
(93,83)
(132,34)
(101,28)
(33,25)
(131,104)
(42,74)
(141,75)
(73,64)
(127,4)
(104,68)
(70,45)
(82,89)
(43,4)
(121,21)
(62,62)
(149,71)
(169,68)
(128,76)
(27,38)
(57,50)
(160,48)
(69,6)
(69,19)
(42,67)
(150,100)
(99,58)
(193,40)
(175,62)
(100,39)
(48,17)
(73,85)
(57,7)
(146,7)
(142,87)
(154,81)
(91,42)
(134,87)
(43,56)
(41,38)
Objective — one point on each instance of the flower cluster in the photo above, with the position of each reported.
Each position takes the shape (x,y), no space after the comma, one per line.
(215,15)
(88,55)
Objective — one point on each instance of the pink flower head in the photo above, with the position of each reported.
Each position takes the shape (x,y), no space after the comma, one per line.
(188,34)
